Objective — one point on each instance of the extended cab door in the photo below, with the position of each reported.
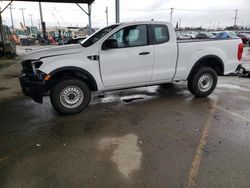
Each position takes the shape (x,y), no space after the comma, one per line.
(129,63)
(165,48)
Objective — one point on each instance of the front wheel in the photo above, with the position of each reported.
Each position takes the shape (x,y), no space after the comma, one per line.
(70,96)
(202,82)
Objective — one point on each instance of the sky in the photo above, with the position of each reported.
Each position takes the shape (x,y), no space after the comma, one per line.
(208,14)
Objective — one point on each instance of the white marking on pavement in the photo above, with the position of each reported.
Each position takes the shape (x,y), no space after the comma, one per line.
(234,114)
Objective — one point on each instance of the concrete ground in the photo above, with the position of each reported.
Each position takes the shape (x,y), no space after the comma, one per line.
(158,136)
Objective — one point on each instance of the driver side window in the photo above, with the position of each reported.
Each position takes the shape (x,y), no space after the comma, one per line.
(131,36)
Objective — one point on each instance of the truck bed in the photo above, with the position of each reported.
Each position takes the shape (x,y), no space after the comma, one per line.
(191,50)
(201,40)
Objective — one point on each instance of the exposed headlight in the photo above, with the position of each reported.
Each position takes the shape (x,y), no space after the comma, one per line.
(37,64)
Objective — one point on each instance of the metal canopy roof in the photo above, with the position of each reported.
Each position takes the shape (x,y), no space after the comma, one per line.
(59,1)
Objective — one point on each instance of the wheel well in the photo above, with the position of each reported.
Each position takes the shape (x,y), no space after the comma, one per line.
(73,73)
(213,62)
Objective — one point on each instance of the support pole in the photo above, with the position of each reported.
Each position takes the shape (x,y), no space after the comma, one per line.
(89,15)
(43,25)
(41,13)
(107,15)
(117,11)
(171,15)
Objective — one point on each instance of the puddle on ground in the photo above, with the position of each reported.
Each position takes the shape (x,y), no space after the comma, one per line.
(127,155)
(116,98)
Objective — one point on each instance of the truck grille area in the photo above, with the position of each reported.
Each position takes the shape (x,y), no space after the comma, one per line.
(27,67)
(28,70)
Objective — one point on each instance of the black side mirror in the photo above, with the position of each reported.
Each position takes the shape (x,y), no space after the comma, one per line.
(109,44)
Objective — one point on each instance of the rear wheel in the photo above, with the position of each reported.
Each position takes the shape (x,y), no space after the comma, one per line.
(70,96)
(202,82)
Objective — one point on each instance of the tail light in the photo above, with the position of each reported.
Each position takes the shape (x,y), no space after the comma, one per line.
(240,51)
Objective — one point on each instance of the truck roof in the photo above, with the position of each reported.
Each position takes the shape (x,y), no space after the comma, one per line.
(144,22)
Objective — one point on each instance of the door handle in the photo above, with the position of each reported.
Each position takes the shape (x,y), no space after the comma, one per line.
(144,53)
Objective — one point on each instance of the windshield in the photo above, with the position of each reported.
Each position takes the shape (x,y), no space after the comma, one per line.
(97,36)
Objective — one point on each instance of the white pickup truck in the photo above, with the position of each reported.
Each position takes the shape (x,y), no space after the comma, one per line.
(124,56)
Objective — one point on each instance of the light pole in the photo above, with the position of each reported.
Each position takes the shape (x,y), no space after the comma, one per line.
(31,20)
(171,14)
(235,17)
(117,11)
(12,22)
(22,9)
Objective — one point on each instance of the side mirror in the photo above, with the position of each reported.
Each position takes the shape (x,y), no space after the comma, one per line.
(109,44)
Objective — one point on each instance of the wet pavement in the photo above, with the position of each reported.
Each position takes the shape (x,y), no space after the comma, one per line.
(158,136)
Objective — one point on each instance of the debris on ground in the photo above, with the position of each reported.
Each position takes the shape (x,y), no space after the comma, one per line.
(101,96)
(244,73)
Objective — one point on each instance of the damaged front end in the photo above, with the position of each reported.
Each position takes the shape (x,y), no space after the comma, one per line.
(33,81)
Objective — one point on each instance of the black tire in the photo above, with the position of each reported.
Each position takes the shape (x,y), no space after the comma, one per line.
(202,76)
(24,42)
(70,86)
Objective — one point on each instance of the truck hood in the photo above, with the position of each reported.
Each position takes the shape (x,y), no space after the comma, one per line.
(53,51)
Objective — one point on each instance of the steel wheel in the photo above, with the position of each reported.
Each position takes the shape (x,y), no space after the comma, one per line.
(71,97)
(202,81)
(205,82)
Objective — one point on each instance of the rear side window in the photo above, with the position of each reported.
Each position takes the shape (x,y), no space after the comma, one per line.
(160,34)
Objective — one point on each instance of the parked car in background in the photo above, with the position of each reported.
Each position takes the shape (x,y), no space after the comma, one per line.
(192,35)
(203,35)
(245,37)
(184,36)
(227,34)
(215,34)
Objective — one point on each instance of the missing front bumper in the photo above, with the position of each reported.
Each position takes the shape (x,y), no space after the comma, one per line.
(34,89)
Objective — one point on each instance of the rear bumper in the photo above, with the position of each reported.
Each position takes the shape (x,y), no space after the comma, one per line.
(240,69)
(34,89)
